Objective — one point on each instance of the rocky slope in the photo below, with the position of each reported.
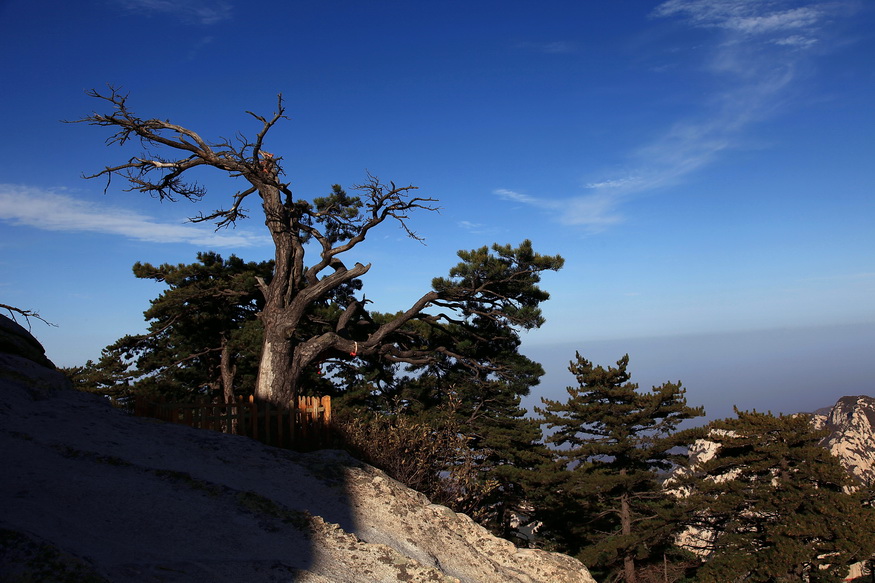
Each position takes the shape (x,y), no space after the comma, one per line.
(851,423)
(92,494)
(851,438)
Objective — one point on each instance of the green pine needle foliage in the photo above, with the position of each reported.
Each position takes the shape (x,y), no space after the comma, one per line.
(602,499)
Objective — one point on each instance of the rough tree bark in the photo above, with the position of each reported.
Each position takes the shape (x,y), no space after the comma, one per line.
(626,528)
(227,371)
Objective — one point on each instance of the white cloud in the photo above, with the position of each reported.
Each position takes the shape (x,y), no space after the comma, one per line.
(796,41)
(743,16)
(752,59)
(615,183)
(476,228)
(53,211)
(594,211)
(518,197)
(469,226)
(753,62)
(798,18)
(204,12)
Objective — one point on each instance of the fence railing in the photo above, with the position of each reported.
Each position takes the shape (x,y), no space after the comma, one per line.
(304,426)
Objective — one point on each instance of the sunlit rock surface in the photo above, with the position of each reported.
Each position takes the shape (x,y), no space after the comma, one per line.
(851,423)
(851,438)
(91,494)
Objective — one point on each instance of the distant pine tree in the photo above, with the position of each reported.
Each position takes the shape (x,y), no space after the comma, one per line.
(603,501)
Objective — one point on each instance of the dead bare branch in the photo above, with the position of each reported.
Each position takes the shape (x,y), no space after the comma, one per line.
(27,314)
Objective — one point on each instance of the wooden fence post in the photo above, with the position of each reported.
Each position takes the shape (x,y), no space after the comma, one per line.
(253,412)
(326,418)
(280,419)
(308,418)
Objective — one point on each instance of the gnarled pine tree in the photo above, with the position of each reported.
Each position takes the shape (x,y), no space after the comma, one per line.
(500,285)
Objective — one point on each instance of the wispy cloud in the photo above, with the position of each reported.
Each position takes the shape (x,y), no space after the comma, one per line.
(624,182)
(469,226)
(478,228)
(55,211)
(753,61)
(519,197)
(752,58)
(744,16)
(204,12)
(595,211)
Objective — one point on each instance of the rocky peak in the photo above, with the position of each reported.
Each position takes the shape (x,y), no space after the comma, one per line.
(851,426)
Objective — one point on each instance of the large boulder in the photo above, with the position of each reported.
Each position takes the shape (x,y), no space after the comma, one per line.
(17,341)
(23,362)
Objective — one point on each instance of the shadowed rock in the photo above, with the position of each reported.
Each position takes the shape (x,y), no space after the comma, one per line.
(93,494)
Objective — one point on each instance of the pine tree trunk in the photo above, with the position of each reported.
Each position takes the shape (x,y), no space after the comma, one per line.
(626,525)
(228,371)
(277,378)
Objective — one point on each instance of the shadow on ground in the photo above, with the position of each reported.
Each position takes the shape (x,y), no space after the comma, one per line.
(94,493)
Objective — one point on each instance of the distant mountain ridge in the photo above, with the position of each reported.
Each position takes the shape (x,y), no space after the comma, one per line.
(851,426)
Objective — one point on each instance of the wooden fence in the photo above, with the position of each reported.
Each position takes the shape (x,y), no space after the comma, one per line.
(306,426)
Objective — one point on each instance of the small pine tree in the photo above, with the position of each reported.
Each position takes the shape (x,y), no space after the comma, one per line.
(604,501)
(203,334)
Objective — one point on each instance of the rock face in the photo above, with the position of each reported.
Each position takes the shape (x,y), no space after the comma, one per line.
(851,423)
(23,362)
(851,438)
(16,341)
(92,494)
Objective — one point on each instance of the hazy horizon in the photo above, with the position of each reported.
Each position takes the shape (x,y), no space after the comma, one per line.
(788,370)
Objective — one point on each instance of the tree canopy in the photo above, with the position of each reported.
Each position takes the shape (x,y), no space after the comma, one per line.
(498,285)
(772,504)
(604,499)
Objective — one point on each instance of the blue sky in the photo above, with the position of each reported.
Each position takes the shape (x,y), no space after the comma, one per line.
(706,168)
